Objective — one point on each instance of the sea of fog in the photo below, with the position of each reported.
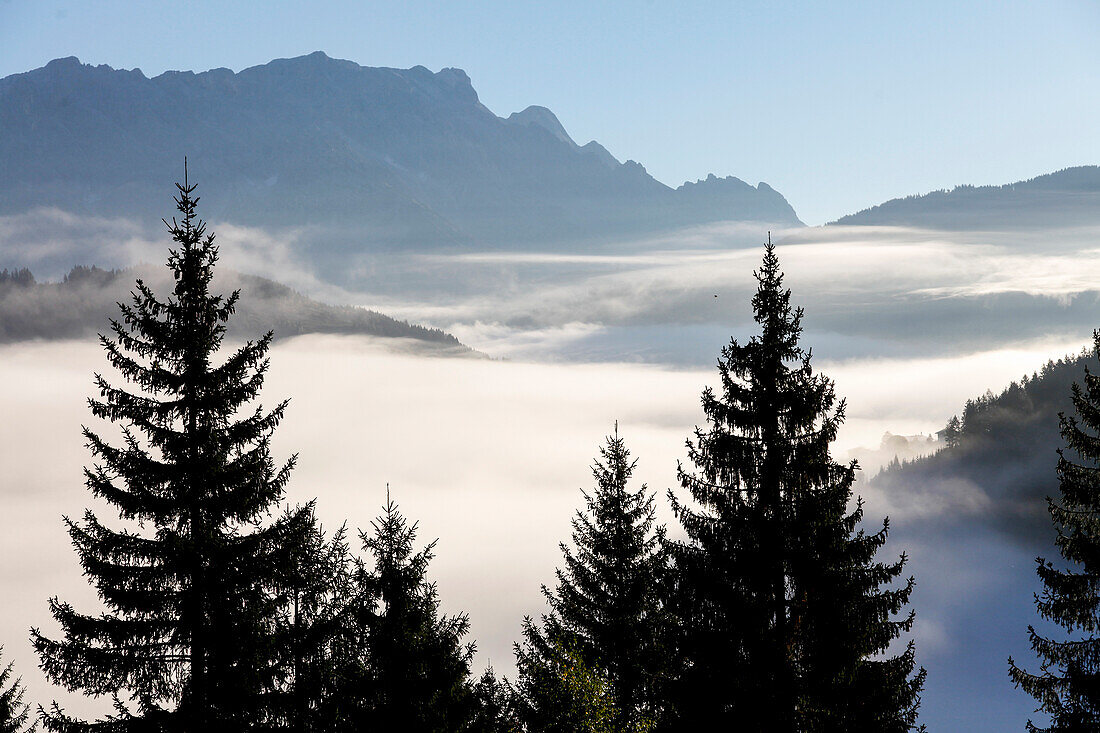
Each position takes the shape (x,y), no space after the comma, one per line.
(489,454)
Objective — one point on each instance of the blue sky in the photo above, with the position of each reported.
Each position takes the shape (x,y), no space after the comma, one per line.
(837,105)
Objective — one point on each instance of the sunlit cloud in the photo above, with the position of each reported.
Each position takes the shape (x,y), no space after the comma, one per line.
(932,289)
(509,342)
(866,290)
(50,241)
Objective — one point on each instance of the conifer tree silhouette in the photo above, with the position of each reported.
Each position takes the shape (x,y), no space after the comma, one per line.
(411,670)
(1068,685)
(606,607)
(189,640)
(559,692)
(782,608)
(318,585)
(494,706)
(14,713)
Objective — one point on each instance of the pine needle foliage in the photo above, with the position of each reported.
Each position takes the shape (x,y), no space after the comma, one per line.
(189,638)
(783,612)
(14,713)
(1067,687)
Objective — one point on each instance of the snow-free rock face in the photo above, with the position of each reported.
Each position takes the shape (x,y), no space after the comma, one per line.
(735,199)
(381,157)
(544,118)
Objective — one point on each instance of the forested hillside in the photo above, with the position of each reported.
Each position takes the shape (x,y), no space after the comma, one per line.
(80,305)
(998,466)
(1069,197)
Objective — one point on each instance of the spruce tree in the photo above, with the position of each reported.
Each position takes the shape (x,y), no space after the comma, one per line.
(558,691)
(14,713)
(606,607)
(494,706)
(189,639)
(1067,687)
(412,670)
(318,585)
(783,612)
(952,432)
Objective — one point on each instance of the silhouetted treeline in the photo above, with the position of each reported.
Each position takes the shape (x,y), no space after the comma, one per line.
(1065,682)
(226,613)
(20,278)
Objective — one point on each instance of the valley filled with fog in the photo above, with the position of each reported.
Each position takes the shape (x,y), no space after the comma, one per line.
(489,454)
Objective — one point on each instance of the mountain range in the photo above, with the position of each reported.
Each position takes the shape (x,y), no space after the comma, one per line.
(354,164)
(371,158)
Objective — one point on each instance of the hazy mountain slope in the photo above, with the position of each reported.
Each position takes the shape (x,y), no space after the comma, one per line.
(1069,197)
(1002,468)
(81,305)
(375,157)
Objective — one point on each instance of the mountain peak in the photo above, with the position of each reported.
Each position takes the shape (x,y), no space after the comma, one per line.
(69,62)
(601,153)
(70,68)
(729,193)
(454,77)
(309,61)
(713,183)
(544,118)
(316,58)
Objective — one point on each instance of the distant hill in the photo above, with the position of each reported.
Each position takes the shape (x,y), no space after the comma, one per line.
(1069,197)
(371,158)
(80,306)
(1000,467)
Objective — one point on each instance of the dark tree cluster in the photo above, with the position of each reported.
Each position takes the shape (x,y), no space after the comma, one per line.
(1067,684)
(76,308)
(223,613)
(1004,446)
(21,278)
(769,613)
(764,610)
(784,614)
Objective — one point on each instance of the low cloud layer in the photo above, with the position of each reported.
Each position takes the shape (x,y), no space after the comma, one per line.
(898,292)
(487,455)
(51,241)
(674,298)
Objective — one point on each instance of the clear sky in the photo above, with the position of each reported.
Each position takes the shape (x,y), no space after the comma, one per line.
(838,105)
